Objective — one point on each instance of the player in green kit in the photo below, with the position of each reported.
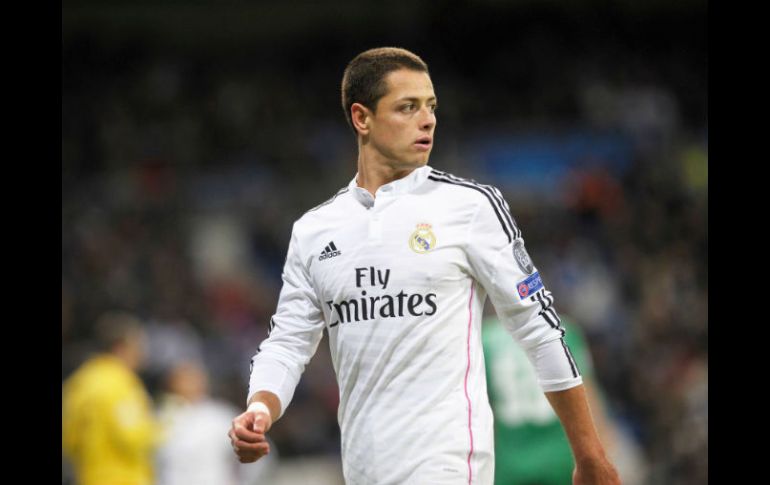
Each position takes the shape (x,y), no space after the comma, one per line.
(530,445)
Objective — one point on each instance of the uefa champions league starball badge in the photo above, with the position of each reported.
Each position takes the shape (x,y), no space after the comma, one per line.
(522,258)
(422,240)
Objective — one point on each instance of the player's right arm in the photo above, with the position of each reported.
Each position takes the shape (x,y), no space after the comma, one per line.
(293,337)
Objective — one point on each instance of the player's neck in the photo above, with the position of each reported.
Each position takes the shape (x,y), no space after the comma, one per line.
(374,171)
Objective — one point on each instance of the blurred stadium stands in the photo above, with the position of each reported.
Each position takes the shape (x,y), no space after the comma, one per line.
(195,133)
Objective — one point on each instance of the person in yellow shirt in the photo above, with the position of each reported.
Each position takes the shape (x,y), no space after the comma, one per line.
(108,429)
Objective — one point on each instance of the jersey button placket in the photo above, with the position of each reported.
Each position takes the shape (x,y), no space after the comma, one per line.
(375,215)
(375,223)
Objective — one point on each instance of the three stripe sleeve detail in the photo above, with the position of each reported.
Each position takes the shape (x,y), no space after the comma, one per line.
(549,315)
(493,195)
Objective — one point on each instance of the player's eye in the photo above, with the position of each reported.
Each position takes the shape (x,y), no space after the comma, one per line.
(433,108)
(408,107)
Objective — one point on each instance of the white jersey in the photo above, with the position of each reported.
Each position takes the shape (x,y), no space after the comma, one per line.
(399,282)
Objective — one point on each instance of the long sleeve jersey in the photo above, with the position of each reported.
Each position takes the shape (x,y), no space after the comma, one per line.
(399,283)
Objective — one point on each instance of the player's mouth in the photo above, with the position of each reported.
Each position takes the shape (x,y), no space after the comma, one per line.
(423,143)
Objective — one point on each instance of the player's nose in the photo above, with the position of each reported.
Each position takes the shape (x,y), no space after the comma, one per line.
(427,119)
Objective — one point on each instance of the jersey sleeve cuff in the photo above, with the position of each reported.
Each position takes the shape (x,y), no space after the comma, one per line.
(267,375)
(561,384)
(554,365)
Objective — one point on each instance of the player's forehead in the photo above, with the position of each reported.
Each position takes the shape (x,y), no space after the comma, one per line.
(406,83)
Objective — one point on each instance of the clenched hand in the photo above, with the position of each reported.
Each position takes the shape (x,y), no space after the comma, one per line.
(247,433)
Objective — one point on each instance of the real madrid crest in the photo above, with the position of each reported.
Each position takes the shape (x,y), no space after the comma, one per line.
(422,240)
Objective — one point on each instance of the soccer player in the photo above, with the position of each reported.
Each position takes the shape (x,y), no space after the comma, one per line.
(530,445)
(108,430)
(396,267)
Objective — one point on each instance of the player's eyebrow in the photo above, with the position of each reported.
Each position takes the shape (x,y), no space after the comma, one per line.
(413,98)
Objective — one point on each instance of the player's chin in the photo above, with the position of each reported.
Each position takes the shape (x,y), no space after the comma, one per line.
(418,159)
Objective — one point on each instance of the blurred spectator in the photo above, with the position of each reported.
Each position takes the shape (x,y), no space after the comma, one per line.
(108,431)
(169,342)
(195,448)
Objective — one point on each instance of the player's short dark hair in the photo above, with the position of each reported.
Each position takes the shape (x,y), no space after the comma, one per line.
(115,327)
(364,78)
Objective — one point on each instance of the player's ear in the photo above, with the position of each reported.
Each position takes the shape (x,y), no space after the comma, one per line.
(360,116)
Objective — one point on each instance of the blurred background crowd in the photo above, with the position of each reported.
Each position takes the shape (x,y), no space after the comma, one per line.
(195,133)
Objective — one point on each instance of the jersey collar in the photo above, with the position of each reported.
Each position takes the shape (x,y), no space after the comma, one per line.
(398,187)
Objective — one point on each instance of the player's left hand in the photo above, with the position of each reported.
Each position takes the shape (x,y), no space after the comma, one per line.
(597,471)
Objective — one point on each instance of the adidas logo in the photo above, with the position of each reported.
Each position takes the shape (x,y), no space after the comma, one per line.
(329,251)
